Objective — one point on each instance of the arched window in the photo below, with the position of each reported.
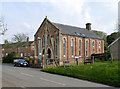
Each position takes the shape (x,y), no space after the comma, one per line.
(72,46)
(99,51)
(87,48)
(43,40)
(64,46)
(21,54)
(25,54)
(79,47)
(93,43)
(99,44)
(41,45)
(56,46)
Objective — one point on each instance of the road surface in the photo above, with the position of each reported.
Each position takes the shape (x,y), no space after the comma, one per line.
(30,77)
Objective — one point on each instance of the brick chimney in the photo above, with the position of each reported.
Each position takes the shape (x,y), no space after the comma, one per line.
(27,39)
(88,26)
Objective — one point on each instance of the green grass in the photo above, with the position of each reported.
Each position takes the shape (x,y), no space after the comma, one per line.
(102,72)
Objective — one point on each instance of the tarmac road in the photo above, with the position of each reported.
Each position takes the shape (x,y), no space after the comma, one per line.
(30,77)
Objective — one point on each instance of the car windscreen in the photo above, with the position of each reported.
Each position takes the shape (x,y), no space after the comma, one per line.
(21,60)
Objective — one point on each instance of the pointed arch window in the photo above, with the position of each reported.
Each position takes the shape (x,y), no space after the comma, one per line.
(93,43)
(99,44)
(43,40)
(64,46)
(72,46)
(56,46)
(79,47)
(87,48)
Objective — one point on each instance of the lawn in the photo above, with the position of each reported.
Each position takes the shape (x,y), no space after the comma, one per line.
(102,72)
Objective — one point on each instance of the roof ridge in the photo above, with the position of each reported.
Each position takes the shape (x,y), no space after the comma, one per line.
(114,41)
(68,25)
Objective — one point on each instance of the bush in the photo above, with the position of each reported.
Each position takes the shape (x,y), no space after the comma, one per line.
(17,57)
(9,58)
(112,59)
(97,60)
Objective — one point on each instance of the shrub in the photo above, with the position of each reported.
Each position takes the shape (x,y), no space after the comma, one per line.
(17,57)
(112,59)
(9,58)
(97,60)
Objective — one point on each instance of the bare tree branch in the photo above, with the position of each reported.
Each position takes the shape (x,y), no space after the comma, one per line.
(20,37)
(3,27)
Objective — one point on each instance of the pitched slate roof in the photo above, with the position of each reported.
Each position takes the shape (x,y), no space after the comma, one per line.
(76,31)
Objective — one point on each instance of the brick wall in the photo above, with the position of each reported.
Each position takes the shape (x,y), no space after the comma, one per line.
(76,39)
(55,33)
(23,50)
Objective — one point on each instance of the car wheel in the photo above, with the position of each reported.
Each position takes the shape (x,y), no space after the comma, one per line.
(19,65)
(14,65)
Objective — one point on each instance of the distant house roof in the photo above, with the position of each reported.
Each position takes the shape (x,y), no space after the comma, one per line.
(76,31)
(30,42)
(114,41)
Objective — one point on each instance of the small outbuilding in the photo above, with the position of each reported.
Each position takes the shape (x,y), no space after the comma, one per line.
(115,49)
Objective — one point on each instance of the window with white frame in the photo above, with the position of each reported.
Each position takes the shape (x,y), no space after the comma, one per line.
(38,49)
(93,44)
(2,49)
(33,47)
(99,51)
(72,47)
(79,47)
(56,46)
(24,54)
(87,48)
(99,44)
(64,46)
(28,54)
(6,54)
(26,47)
(43,40)
(41,45)
(21,54)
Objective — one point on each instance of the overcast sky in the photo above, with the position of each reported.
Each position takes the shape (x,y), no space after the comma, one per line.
(25,16)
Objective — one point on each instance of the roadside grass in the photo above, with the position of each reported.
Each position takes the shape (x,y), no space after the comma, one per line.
(102,72)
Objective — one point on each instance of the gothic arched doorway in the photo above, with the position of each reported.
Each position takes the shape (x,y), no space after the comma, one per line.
(49,53)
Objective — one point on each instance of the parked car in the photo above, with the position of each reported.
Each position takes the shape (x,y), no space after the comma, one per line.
(20,62)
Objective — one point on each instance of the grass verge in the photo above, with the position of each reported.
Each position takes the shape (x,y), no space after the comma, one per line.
(101,72)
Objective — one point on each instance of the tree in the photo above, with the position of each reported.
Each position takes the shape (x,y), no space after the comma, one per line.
(112,37)
(3,27)
(103,35)
(21,39)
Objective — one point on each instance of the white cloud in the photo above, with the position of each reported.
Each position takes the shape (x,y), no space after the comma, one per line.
(87,15)
(27,25)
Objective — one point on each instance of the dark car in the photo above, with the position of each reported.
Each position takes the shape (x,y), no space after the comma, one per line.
(20,62)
